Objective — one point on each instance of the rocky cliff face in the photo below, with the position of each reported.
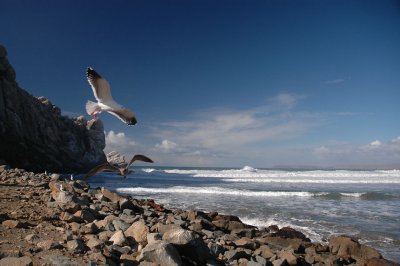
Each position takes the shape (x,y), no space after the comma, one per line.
(35,136)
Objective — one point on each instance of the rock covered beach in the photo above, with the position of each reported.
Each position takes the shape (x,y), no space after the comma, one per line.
(51,220)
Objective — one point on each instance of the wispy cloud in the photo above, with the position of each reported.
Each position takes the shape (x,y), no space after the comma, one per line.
(375,152)
(334,81)
(220,133)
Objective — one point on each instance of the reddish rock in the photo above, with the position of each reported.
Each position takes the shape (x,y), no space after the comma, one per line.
(12,224)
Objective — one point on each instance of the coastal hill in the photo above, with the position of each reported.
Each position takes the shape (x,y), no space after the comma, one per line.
(35,136)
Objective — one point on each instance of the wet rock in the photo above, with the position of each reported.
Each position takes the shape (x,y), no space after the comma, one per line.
(288,232)
(162,253)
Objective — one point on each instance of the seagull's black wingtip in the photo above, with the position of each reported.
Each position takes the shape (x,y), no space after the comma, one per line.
(90,72)
(132,122)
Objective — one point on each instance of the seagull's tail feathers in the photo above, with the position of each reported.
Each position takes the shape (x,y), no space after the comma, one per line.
(92,108)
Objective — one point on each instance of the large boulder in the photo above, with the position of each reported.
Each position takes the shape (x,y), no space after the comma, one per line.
(162,253)
(344,246)
(34,135)
(188,244)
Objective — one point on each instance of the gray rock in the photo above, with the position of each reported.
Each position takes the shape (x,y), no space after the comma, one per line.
(32,238)
(67,201)
(76,246)
(120,225)
(260,260)
(61,260)
(95,244)
(121,249)
(162,253)
(188,244)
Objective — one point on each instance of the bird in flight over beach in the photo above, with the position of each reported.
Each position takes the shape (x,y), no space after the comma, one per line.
(105,102)
(123,170)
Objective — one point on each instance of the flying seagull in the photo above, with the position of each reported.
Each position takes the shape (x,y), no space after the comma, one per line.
(105,102)
(123,170)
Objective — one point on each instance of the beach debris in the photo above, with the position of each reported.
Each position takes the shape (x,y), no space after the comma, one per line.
(105,102)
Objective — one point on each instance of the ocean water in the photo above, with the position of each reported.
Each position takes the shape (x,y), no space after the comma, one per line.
(320,203)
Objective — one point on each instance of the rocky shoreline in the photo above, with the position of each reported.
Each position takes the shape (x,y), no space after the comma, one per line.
(52,220)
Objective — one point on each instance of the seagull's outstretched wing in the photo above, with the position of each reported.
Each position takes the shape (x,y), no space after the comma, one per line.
(124,115)
(100,86)
(139,157)
(101,168)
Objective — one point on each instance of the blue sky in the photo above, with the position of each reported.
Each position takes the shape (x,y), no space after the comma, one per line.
(222,83)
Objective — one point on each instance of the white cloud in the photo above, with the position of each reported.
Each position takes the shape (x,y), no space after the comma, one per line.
(224,135)
(396,140)
(118,142)
(376,143)
(166,146)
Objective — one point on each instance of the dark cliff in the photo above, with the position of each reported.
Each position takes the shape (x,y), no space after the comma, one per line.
(35,136)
